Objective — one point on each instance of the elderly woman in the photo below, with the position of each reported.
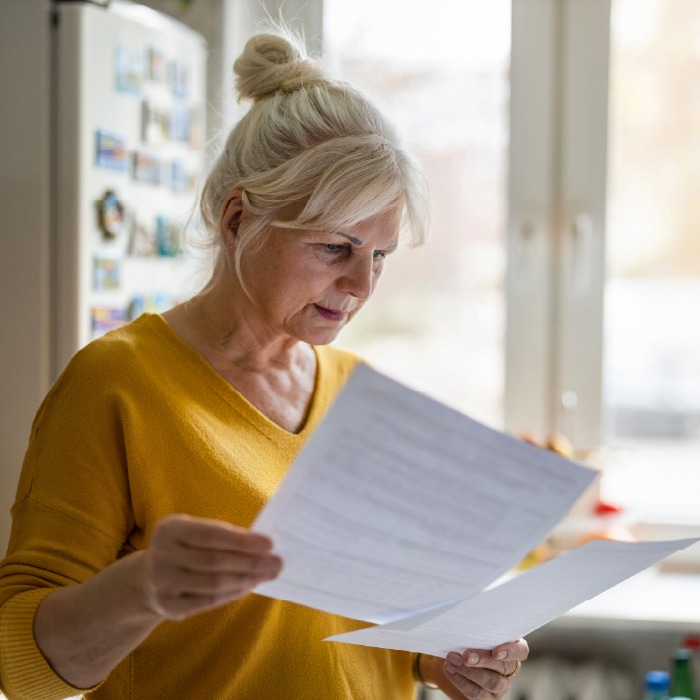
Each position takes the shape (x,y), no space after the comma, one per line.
(131,569)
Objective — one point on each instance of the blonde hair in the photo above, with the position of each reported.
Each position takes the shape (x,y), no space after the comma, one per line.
(312,144)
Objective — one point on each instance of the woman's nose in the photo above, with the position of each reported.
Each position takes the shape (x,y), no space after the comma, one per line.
(358,278)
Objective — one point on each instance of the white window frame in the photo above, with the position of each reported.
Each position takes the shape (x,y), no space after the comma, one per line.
(556,222)
(556,234)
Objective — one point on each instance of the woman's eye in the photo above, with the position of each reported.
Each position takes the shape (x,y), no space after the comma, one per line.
(379,255)
(335,250)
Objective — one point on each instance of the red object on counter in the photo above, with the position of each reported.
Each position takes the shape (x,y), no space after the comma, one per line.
(604,508)
(692,642)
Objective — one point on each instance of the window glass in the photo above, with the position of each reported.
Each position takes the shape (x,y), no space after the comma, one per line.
(652,300)
(436,320)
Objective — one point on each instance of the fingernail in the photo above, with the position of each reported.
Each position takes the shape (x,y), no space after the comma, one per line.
(455,659)
(501,655)
(473,658)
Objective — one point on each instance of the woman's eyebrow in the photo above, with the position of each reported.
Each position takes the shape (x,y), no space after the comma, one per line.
(357,241)
(352,239)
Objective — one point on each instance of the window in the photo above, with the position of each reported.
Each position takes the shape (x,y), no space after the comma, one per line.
(652,298)
(559,291)
(436,320)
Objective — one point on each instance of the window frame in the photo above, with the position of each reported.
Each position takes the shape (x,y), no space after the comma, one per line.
(557,205)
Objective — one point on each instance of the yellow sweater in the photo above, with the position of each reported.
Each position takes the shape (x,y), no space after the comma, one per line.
(139,426)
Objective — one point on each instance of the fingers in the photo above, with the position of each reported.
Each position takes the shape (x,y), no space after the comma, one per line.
(216,560)
(482,674)
(500,659)
(194,564)
(475,682)
(202,533)
(517,650)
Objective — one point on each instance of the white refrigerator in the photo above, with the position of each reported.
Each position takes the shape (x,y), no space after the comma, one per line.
(129,148)
(102,142)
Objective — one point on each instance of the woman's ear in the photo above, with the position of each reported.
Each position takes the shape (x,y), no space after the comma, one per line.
(231,216)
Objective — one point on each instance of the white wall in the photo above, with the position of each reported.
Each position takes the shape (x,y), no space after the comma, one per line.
(24,236)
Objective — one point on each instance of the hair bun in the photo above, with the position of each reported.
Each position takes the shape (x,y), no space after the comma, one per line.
(272,63)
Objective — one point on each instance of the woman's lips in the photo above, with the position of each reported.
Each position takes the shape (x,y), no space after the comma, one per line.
(330,314)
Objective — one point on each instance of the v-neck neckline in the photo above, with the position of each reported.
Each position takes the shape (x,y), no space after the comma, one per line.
(235,398)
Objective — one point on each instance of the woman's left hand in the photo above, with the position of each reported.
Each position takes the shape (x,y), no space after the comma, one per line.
(476,674)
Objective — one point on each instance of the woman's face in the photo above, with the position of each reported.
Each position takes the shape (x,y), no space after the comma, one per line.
(309,284)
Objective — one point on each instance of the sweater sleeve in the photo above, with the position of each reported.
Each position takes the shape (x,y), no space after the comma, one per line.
(70,519)
(28,674)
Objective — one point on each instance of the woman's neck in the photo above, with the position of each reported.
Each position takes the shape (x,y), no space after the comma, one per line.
(276,375)
(222,325)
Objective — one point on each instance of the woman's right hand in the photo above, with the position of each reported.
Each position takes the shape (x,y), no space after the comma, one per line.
(191,565)
(196,564)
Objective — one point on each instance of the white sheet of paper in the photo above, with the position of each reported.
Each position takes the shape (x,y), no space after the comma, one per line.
(518,606)
(398,505)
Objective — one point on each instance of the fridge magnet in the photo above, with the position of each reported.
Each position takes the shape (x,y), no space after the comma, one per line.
(157,66)
(110,215)
(110,151)
(179,79)
(167,237)
(147,168)
(106,319)
(159,300)
(155,124)
(180,178)
(154,302)
(128,70)
(107,273)
(142,240)
(181,124)
(137,306)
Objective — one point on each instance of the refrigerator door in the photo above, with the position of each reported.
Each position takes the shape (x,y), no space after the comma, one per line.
(129,96)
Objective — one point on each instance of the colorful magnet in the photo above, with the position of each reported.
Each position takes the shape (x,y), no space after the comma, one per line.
(157,66)
(107,273)
(168,237)
(142,241)
(179,79)
(154,302)
(137,306)
(129,70)
(181,124)
(110,215)
(147,168)
(106,319)
(155,124)
(180,179)
(110,151)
